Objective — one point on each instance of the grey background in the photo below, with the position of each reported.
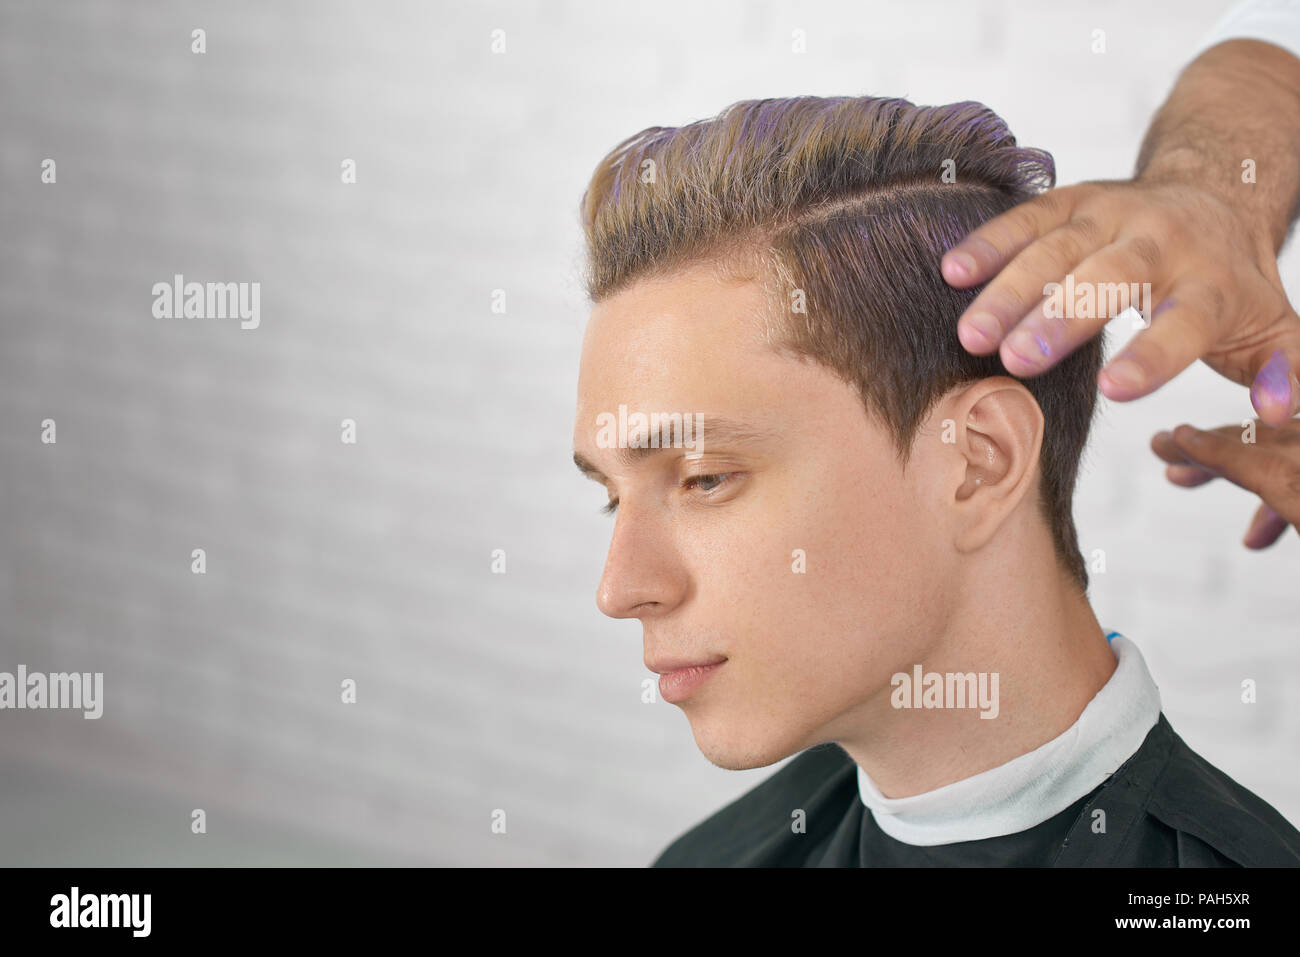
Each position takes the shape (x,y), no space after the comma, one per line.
(372,561)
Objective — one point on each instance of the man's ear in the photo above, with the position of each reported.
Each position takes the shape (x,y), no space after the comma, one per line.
(997,437)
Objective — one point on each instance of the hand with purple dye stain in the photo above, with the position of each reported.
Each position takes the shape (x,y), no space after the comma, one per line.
(1190,223)
(1269,467)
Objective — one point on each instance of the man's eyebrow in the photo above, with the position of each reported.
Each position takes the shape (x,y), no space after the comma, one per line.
(717,432)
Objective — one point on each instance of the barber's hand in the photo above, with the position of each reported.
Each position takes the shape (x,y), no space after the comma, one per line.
(1215,290)
(1270,467)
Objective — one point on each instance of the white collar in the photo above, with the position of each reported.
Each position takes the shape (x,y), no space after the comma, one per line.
(1035,786)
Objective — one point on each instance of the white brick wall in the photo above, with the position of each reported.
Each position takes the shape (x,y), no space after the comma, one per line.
(371,561)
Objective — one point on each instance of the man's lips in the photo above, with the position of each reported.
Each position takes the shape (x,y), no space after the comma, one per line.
(663,666)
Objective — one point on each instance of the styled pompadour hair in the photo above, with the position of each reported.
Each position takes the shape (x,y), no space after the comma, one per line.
(845,205)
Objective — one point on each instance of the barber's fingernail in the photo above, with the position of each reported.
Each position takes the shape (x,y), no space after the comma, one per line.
(1031,348)
(985,327)
(1125,374)
(959,265)
(1273,384)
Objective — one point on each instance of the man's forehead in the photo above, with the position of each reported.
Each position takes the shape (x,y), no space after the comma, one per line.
(675,340)
(690,304)
(688,344)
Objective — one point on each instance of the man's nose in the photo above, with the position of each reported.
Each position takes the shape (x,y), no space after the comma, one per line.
(643,573)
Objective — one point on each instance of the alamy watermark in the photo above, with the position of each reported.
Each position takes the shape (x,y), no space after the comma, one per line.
(932,689)
(654,430)
(179,299)
(1098,300)
(76,909)
(58,690)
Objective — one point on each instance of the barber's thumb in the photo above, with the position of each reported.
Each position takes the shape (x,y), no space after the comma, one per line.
(1276,391)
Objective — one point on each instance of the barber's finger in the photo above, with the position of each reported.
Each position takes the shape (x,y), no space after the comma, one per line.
(1265,528)
(1189,476)
(1163,444)
(992,245)
(1275,393)
(1184,326)
(1180,469)
(1018,291)
(1259,467)
(1105,284)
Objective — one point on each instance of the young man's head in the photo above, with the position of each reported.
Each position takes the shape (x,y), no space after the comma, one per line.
(861,481)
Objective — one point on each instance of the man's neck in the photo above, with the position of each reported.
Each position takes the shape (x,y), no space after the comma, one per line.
(1050,656)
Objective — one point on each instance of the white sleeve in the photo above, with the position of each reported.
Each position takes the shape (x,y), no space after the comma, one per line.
(1276,21)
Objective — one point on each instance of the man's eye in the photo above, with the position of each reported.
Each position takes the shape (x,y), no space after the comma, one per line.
(707,483)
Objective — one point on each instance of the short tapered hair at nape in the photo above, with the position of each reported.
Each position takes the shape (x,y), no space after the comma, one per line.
(843,207)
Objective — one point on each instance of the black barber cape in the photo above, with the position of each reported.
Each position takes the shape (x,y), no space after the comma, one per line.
(1166,806)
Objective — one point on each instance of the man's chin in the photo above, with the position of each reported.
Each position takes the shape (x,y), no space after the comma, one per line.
(742,750)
